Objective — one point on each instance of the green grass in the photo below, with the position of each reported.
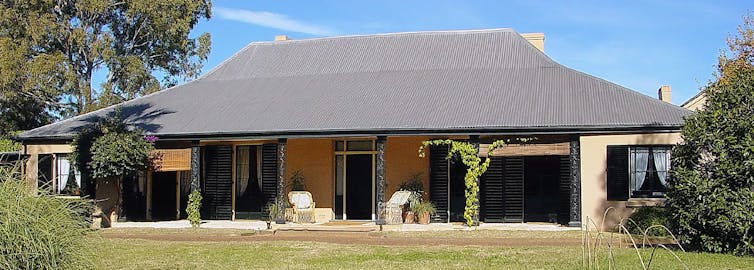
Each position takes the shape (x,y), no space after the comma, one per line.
(151,254)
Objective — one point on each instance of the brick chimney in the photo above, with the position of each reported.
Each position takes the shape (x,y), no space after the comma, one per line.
(536,39)
(281,38)
(664,93)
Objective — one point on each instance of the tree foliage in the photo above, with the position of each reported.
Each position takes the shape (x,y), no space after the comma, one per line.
(111,149)
(51,49)
(711,194)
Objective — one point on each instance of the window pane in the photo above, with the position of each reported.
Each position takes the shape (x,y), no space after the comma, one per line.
(339,146)
(339,179)
(360,146)
(648,168)
(68,179)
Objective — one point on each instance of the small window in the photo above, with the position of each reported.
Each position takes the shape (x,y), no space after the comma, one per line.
(648,168)
(360,146)
(340,146)
(67,177)
(637,171)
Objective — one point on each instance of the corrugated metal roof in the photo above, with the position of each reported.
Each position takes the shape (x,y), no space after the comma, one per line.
(451,80)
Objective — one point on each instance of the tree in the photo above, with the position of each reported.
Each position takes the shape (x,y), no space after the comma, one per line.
(111,150)
(51,49)
(711,189)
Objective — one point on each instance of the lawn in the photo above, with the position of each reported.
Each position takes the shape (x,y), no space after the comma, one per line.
(252,251)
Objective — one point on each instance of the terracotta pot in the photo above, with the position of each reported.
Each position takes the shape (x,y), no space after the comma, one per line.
(409,219)
(423,218)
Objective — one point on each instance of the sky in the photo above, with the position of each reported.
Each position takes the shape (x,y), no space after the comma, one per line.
(637,44)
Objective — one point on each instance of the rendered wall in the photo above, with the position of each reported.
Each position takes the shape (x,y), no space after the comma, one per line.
(402,161)
(594,175)
(34,150)
(314,157)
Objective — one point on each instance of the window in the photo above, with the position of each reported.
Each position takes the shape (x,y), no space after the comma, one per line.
(67,178)
(58,175)
(637,171)
(648,168)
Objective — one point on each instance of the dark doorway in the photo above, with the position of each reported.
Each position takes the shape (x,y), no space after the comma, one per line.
(457,189)
(185,186)
(134,199)
(249,197)
(359,186)
(541,188)
(164,186)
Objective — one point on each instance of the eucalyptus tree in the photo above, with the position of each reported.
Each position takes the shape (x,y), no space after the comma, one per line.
(53,50)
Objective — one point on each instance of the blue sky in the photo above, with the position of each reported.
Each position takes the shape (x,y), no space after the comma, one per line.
(637,44)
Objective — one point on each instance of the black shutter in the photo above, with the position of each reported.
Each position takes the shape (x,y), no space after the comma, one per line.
(269,173)
(564,191)
(438,181)
(617,173)
(492,194)
(513,191)
(218,182)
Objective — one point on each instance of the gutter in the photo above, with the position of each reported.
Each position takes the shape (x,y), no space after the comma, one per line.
(388,132)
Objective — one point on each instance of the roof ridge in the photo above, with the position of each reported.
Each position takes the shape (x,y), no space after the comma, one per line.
(407,33)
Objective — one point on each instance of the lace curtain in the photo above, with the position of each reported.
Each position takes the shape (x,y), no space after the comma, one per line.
(242,170)
(64,169)
(640,162)
(662,164)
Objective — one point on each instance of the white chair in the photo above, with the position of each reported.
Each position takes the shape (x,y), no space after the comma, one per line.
(303,206)
(394,207)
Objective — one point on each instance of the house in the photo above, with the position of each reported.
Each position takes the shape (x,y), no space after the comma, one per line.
(697,102)
(350,113)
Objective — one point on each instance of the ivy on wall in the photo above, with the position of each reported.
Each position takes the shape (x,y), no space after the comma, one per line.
(469,154)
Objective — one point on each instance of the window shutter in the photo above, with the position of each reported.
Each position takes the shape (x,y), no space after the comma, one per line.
(492,180)
(564,191)
(269,173)
(218,184)
(513,189)
(438,181)
(617,173)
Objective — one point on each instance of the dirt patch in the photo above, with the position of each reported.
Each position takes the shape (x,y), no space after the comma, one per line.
(362,238)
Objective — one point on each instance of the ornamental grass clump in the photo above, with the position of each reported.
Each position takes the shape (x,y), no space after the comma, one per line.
(40,231)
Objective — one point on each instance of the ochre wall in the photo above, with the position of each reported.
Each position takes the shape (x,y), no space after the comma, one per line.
(402,160)
(314,157)
(594,175)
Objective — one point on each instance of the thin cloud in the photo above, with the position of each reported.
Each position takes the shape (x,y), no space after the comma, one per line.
(273,20)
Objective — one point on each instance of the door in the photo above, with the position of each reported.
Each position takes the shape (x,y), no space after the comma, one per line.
(359,186)
(250,200)
(164,187)
(457,189)
(541,189)
(354,180)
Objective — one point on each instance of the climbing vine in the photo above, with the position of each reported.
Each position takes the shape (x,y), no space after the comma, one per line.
(469,154)
(193,207)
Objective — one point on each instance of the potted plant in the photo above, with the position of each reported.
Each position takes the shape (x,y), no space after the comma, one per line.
(423,210)
(416,186)
(297,181)
(275,213)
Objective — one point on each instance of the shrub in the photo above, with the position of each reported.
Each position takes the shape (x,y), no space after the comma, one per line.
(424,208)
(194,205)
(710,195)
(40,231)
(647,217)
